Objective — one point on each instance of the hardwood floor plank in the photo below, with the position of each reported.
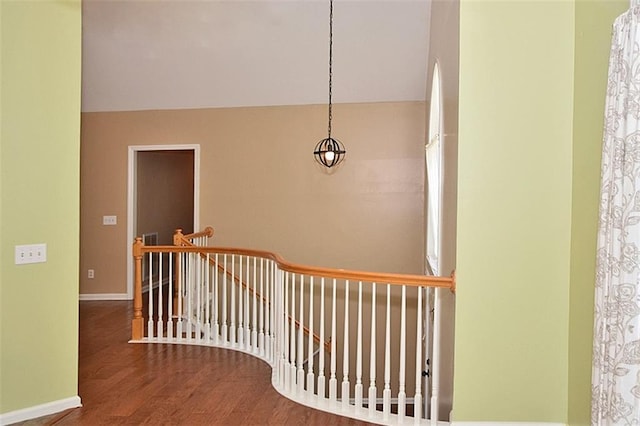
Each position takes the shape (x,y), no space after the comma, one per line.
(161,384)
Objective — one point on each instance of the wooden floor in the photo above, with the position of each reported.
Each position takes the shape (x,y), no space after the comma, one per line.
(150,384)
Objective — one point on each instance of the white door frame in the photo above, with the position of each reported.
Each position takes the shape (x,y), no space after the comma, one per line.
(131,196)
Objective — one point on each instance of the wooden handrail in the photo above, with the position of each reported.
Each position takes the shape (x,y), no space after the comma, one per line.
(347,274)
(179,238)
(182,240)
(283,349)
(139,249)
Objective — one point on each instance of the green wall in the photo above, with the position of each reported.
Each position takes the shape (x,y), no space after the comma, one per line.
(529,165)
(39,177)
(593,22)
(514,211)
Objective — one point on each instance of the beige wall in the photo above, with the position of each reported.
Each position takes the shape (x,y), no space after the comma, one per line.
(260,187)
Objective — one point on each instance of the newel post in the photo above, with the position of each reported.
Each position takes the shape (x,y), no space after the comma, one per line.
(178,237)
(178,240)
(137,324)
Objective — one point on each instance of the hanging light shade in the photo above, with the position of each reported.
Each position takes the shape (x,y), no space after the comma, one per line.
(329,151)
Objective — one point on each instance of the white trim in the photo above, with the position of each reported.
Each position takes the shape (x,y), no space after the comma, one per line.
(40,410)
(104,296)
(506,424)
(131,214)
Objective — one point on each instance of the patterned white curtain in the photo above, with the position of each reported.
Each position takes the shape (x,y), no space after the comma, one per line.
(616,345)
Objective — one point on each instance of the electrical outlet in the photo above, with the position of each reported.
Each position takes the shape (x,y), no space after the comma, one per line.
(30,253)
(109,220)
(91,274)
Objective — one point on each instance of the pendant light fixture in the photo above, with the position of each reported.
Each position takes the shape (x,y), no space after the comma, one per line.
(330,152)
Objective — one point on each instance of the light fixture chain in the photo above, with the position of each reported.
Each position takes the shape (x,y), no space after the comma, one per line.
(330,152)
(330,61)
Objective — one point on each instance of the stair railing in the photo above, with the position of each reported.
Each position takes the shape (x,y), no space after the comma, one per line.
(200,239)
(256,302)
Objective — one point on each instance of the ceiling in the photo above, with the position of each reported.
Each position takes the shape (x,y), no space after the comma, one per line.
(153,54)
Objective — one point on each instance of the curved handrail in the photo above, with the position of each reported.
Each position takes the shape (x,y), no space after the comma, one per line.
(277,342)
(355,275)
(185,240)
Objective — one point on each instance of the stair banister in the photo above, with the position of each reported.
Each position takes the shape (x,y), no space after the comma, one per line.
(268,316)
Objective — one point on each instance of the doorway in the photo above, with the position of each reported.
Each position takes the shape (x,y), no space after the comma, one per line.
(163,194)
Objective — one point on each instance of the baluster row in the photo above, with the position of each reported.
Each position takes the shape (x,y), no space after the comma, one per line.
(222,299)
(298,295)
(248,303)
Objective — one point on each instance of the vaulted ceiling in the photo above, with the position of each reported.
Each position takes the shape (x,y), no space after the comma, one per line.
(151,54)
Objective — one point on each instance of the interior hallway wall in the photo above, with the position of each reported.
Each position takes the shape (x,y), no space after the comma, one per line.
(514,211)
(39,169)
(261,187)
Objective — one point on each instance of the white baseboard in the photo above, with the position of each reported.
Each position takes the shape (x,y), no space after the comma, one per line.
(40,410)
(104,296)
(506,424)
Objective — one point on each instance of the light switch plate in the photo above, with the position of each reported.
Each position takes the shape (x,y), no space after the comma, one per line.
(109,220)
(30,253)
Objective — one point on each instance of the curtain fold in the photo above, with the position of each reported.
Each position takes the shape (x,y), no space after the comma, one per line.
(433,155)
(616,345)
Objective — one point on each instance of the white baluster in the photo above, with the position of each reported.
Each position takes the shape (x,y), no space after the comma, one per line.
(281,333)
(170,299)
(254,309)
(435,365)
(180,284)
(333,381)
(241,308)
(150,285)
(207,298)
(386,393)
(247,325)
(428,348)
(192,289)
(277,332)
(160,325)
(254,322)
(300,357)
(310,377)
(216,300)
(292,345)
(285,337)
(345,354)
(273,300)
(198,289)
(417,399)
(372,363)
(321,387)
(358,388)
(267,312)
(402,394)
(232,322)
(225,331)
(262,300)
